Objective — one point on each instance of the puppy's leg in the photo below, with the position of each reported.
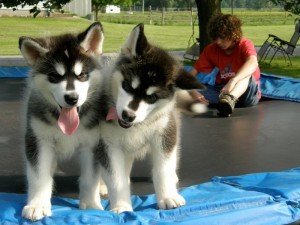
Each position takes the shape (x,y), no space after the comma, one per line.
(41,163)
(164,175)
(103,188)
(116,177)
(128,167)
(89,182)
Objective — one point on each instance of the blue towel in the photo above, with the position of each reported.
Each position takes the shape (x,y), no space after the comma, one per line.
(270,198)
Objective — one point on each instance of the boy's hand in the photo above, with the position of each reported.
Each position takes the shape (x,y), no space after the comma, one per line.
(199,97)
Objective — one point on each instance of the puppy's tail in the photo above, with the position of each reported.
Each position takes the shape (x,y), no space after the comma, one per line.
(188,105)
(198,108)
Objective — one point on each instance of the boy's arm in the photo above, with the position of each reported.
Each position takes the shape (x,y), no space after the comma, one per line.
(193,72)
(247,69)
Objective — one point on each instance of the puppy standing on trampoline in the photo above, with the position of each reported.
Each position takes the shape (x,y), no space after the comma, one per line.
(231,60)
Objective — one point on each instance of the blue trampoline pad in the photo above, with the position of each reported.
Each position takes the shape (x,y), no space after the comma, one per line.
(13,72)
(269,198)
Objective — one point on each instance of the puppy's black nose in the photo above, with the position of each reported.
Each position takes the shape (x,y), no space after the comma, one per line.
(128,116)
(71,99)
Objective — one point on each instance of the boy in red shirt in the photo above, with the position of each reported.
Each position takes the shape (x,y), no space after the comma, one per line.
(232,61)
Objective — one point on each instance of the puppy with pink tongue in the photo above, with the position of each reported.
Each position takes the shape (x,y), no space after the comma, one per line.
(64,88)
(68,120)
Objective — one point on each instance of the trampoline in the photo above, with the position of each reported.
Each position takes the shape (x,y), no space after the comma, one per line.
(236,170)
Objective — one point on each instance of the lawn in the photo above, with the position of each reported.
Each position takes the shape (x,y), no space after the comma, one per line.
(280,67)
(183,18)
(169,37)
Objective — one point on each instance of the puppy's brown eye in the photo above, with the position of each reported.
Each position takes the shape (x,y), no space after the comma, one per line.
(151,98)
(126,86)
(55,77)
(83,77)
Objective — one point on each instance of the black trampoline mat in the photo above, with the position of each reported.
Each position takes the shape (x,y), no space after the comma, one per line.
(259,139)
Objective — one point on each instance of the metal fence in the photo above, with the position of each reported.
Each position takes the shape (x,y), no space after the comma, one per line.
(176,16)
(158,16)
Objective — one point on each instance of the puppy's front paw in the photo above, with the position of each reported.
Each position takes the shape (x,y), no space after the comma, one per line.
(122,208)
(172,202)
(36,212)
(90,205)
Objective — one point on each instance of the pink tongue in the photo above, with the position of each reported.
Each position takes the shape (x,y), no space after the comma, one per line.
(112,114)
(68,120)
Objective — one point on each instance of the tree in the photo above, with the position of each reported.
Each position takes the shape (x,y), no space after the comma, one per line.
(99,4)
(58,4)
(96,4)
(258,4)
(206,9)
(48,4)
(292,6)
(184,4)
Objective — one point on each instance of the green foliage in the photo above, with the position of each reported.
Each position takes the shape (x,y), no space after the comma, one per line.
(48,4)
(170,3)
(292,6)
(58,4)
(246,4)
(101,3)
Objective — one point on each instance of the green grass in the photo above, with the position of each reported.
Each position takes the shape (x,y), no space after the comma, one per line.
(183,18)
(260,17)
(168,37)
(280,67)
(258,34)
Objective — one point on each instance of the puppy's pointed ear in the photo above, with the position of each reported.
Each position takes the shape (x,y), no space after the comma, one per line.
(186,81)
(91,40)
(136,43)
(31,49)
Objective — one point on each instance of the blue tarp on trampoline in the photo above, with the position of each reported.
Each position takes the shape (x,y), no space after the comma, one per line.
(269,198)
(280,87)
(272,86)
(14,72)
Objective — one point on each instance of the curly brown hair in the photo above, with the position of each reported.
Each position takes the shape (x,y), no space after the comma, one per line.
(225,26)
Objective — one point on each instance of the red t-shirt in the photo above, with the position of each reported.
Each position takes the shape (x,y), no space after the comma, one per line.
(228,65)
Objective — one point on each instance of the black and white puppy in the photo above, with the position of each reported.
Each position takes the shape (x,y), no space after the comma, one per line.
(142,118)
(62,113)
